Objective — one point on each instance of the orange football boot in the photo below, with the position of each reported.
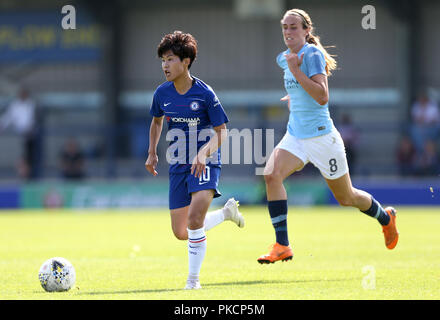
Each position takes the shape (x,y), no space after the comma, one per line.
(390,230)
(278,252)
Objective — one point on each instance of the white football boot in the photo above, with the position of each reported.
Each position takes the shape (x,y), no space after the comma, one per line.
(192,285)
(230,211)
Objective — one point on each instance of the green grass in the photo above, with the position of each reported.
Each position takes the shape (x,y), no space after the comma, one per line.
(133,255)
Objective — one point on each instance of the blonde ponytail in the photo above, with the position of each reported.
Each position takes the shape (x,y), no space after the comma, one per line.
(331,63)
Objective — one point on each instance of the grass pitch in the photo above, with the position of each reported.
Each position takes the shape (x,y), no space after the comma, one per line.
(339,253)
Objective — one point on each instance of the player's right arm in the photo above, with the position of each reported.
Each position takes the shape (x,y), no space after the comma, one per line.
(155,132)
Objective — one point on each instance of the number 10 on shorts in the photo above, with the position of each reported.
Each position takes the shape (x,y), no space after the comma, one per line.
(206,176)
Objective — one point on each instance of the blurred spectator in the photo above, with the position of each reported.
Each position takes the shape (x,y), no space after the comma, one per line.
(425,111)
(21,117)
(428,161)
(350,135)
(406,156)
(425,121)
(72,160)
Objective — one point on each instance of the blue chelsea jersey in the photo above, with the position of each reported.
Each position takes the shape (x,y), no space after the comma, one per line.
(193,115)
(307,117)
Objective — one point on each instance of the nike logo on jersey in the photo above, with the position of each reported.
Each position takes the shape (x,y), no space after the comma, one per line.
(165,104)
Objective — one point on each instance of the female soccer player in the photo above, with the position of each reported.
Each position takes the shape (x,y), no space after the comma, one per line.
(311,136)
(191,108)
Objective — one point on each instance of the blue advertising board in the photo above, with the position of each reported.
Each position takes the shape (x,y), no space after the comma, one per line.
(400,193)
(38,36)
(9,197)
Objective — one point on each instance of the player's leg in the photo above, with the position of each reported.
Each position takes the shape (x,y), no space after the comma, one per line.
(179,222)
(179,201)
(209,180)
(179,218)
(327,153)
(229,212)
(200,202)
(285,159)
(347,195)
(181,185)
(280,165)
(202,191)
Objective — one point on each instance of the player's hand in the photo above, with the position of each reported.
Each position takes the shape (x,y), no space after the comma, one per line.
(198,165)
(286,98)
(151,164)
(293,61)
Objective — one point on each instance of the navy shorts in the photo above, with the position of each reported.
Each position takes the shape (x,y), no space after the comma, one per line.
(183,184)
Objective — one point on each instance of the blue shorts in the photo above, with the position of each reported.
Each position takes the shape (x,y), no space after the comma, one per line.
(183,184)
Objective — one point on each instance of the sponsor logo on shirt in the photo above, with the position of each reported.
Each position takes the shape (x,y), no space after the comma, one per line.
(290,83)
(189,121)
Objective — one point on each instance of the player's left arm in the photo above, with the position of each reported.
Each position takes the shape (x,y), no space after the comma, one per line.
(199,162)
(316,86)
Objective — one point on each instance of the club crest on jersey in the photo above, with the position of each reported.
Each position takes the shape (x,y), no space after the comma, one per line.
(194,106)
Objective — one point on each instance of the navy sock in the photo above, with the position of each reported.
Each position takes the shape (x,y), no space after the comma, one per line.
(376,211)
(278,215)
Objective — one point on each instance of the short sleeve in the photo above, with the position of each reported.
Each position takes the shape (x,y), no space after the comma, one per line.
(155,109)
(315,62)
(216,113)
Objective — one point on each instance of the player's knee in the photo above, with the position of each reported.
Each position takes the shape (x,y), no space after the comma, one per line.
(195,222)
(181,234)
(273,177)
(345,201)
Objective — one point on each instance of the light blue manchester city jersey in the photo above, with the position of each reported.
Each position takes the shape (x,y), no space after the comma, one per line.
(307,117)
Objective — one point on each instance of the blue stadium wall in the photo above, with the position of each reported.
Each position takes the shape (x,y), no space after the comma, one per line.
(147,194)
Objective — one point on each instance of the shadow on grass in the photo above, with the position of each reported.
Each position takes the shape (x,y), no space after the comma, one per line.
(219,284)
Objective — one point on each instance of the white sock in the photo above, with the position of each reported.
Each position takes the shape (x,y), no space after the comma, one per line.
(214,218)
(196,252)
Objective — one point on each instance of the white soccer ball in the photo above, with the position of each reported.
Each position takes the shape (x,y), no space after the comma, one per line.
(57,274)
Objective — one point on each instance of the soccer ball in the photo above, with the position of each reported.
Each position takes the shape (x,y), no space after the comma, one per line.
(57,274)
